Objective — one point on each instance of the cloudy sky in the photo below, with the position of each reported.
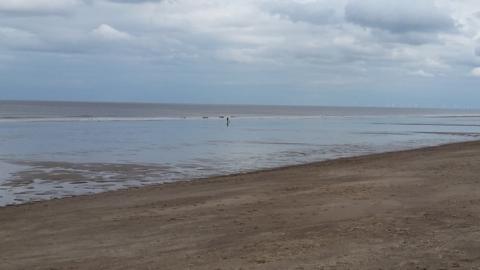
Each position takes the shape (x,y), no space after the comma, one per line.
(317,52)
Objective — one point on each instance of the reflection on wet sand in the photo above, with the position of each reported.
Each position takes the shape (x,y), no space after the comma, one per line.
(428,124)
(466,134)
(47,180)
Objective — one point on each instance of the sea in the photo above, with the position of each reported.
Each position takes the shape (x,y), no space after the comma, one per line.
(59,149)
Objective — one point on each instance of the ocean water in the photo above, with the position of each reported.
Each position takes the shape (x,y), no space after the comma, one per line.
(58,149)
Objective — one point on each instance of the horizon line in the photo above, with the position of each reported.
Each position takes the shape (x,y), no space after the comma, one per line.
(232,104)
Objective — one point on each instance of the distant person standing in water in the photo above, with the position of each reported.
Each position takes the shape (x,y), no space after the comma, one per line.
(228,121)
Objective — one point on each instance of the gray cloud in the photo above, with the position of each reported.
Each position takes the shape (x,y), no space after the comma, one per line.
(311,43)
(399,16)
(38,7)
(411,38)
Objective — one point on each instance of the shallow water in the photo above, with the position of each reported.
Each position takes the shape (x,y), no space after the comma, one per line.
(50,158)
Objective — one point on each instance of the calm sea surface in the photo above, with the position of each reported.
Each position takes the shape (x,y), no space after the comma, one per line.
(57,149)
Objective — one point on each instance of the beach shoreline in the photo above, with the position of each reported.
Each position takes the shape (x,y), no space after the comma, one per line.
(32,171)
(371,211)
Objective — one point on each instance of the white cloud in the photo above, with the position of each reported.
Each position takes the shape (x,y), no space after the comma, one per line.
(14,38)
(133,1)
(106,32)
(435,63)
(422,73)
(475,72)
(314,12)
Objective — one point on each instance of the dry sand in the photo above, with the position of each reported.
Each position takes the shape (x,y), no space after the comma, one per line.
(415,209)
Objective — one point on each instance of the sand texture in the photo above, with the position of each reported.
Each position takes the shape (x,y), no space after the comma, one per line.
(416,209)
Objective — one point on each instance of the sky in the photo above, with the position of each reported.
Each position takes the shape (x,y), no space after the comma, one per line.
(408,53)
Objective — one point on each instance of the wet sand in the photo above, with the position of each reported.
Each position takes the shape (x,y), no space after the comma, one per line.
(416,209)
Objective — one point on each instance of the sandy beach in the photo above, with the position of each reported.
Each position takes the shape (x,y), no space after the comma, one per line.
(416,209)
